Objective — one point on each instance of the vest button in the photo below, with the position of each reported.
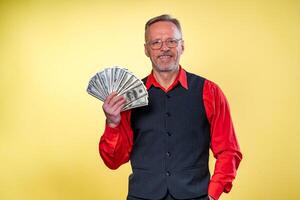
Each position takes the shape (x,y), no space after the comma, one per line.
(168,154)
(168,96)
(168,173)
(169,134)
(168,114)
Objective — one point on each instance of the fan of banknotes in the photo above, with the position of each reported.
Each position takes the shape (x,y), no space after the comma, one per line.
(122,81)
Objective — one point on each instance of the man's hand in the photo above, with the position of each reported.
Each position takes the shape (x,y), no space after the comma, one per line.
(112,107)
(210,198)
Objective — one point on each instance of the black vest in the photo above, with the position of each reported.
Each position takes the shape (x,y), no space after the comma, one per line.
(171,143)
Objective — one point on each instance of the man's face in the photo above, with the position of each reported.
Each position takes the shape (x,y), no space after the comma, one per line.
(166,58)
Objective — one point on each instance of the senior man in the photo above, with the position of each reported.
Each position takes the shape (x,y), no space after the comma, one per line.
(168,141)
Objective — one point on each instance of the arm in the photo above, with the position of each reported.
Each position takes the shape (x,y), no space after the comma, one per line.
(224,144)
(116,142)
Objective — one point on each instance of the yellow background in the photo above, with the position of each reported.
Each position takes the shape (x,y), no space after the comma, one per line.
(50,126)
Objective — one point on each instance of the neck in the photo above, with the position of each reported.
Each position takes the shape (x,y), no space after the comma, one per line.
(165,78)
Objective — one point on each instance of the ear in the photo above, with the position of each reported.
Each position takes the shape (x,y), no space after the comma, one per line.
(182,45)
(146,50)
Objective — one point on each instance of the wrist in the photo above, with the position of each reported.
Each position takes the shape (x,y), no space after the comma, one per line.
(111,124)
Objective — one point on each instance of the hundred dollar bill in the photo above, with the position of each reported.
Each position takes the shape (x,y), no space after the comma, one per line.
(92,91)
(134,93)
(121,81)
(139,102)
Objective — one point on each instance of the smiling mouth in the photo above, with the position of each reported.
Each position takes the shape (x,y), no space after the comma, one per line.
(164,56)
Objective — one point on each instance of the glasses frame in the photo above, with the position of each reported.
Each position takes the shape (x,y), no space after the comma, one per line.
(150,43)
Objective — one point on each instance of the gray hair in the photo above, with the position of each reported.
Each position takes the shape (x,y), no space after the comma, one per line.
(164,18)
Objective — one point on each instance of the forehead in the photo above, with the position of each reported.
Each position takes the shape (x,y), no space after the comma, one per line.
(162,30)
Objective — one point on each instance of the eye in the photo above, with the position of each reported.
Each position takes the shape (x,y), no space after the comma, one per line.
(157,42)
(172,41)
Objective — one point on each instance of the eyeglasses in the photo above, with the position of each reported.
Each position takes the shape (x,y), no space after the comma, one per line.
(157,44)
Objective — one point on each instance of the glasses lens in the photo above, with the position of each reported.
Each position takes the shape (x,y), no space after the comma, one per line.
(172,43)
(156,44)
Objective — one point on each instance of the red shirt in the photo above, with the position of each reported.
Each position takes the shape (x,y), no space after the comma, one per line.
(116,143)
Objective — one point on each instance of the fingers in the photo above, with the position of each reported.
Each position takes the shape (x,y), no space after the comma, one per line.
(118,110)
(113,103)
(110,97)
(115,100)
(119,105)
(112,107)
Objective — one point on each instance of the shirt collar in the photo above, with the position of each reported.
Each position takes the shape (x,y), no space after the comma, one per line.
(181,78)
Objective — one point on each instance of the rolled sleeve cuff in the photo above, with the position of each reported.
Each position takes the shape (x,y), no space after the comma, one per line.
(215,190)
(109,129)
(112,134)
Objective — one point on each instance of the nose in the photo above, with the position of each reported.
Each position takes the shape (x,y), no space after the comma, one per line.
(164,46)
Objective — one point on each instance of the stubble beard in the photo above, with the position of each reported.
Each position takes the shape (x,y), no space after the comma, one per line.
(169,68)
(173,66)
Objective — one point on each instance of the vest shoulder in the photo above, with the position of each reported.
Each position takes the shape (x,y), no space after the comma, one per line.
(192,76)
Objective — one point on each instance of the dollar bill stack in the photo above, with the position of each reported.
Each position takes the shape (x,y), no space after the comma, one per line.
(122,81)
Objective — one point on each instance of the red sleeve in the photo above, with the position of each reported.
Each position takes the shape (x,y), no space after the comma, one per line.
(224,144)
(116,143)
